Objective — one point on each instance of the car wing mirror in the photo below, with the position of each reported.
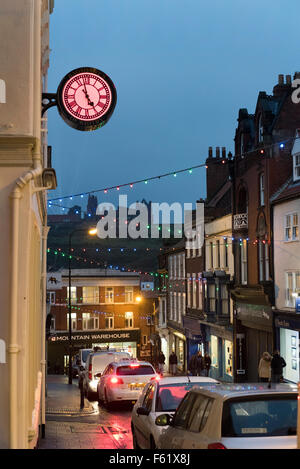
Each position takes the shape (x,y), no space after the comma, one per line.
(163,420)
(142,411)
(98,375)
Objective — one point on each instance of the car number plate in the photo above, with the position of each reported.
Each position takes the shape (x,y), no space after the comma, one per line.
(136,386)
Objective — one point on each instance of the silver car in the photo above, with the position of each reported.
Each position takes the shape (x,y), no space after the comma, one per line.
(159,397)
(233,417)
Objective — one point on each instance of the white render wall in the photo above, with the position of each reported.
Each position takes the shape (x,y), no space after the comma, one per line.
(286,254)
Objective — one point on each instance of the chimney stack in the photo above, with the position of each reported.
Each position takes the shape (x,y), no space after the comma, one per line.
(217,152)
(288,79)
(210,152)
(223,152)
(280,79)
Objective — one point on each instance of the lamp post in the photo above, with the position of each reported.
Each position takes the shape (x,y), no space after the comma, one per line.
(92,231)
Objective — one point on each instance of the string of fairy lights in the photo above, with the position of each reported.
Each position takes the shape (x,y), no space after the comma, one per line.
(57,201)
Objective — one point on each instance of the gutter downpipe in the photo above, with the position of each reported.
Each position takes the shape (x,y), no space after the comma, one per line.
(14,348)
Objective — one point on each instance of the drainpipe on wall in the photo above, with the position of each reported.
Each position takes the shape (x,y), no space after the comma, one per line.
(44,313)
(14,347)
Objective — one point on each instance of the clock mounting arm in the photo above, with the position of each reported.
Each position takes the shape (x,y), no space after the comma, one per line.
(48,100)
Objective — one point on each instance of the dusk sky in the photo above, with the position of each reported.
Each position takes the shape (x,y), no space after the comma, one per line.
(182,70)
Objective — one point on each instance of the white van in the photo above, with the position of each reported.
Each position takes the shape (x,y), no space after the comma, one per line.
(95,365)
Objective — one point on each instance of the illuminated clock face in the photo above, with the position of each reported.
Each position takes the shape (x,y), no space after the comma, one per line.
(86,98)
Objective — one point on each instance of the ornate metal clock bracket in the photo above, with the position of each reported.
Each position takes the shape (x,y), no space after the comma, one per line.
(48,100)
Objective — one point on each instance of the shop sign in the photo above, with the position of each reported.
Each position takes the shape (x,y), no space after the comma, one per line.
(261,315)
(130,336)
(240,338)
(54,281)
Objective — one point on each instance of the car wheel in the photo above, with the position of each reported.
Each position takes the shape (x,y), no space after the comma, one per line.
(134,440)
(152,443)
(107,404)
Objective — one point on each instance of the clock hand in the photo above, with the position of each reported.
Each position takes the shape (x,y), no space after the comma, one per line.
(87,96)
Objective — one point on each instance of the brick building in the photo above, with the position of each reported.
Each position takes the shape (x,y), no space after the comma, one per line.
(108,310)
(262,164)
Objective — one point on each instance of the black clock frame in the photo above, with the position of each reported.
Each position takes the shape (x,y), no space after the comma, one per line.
(52,99)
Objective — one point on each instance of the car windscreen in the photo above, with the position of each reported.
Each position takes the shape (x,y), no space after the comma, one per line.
(85,354)
(260,416)
(169,396)
(133,370)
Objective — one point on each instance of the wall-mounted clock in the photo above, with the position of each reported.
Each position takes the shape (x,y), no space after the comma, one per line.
(86,98)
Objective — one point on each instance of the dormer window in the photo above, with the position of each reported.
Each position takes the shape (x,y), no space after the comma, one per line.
(260,130)
(296,165)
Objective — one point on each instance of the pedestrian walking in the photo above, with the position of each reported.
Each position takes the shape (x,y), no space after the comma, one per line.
(264,368)
(277,365)
(207,364)
(192,366)
(161,362)
(200,364)
(173,363)
(80,385)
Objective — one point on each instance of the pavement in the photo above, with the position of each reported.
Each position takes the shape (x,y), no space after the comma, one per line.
(93,427)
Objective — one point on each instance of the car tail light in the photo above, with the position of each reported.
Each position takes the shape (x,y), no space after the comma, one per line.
(216,446)
(115,380)
(134,365)
(156,378)
(90,372)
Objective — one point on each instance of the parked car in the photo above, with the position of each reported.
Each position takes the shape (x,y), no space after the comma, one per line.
(95,365)
(124,381)
(158,397)
(233,417)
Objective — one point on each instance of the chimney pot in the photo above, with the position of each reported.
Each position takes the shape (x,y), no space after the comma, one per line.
(217,152)
(288,79)
(280,79)
(210,152)
(223,152)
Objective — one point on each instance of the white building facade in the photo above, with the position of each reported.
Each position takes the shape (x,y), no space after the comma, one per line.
(286,218)
(24,54)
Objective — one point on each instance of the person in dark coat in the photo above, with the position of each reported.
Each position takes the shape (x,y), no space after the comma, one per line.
(277,365)
(173,363)
(161,362)
(80,385)
(207,364)
(200,364)
(193,364)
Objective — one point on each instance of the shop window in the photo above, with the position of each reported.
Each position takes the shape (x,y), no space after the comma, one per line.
(109,295)
(109,322)
(90,295)
(214,351)
(228,357)
(128,320)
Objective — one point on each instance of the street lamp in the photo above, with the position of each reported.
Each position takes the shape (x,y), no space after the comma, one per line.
(91,232)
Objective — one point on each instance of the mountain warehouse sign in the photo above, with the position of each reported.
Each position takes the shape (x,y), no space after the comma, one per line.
(131,336)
